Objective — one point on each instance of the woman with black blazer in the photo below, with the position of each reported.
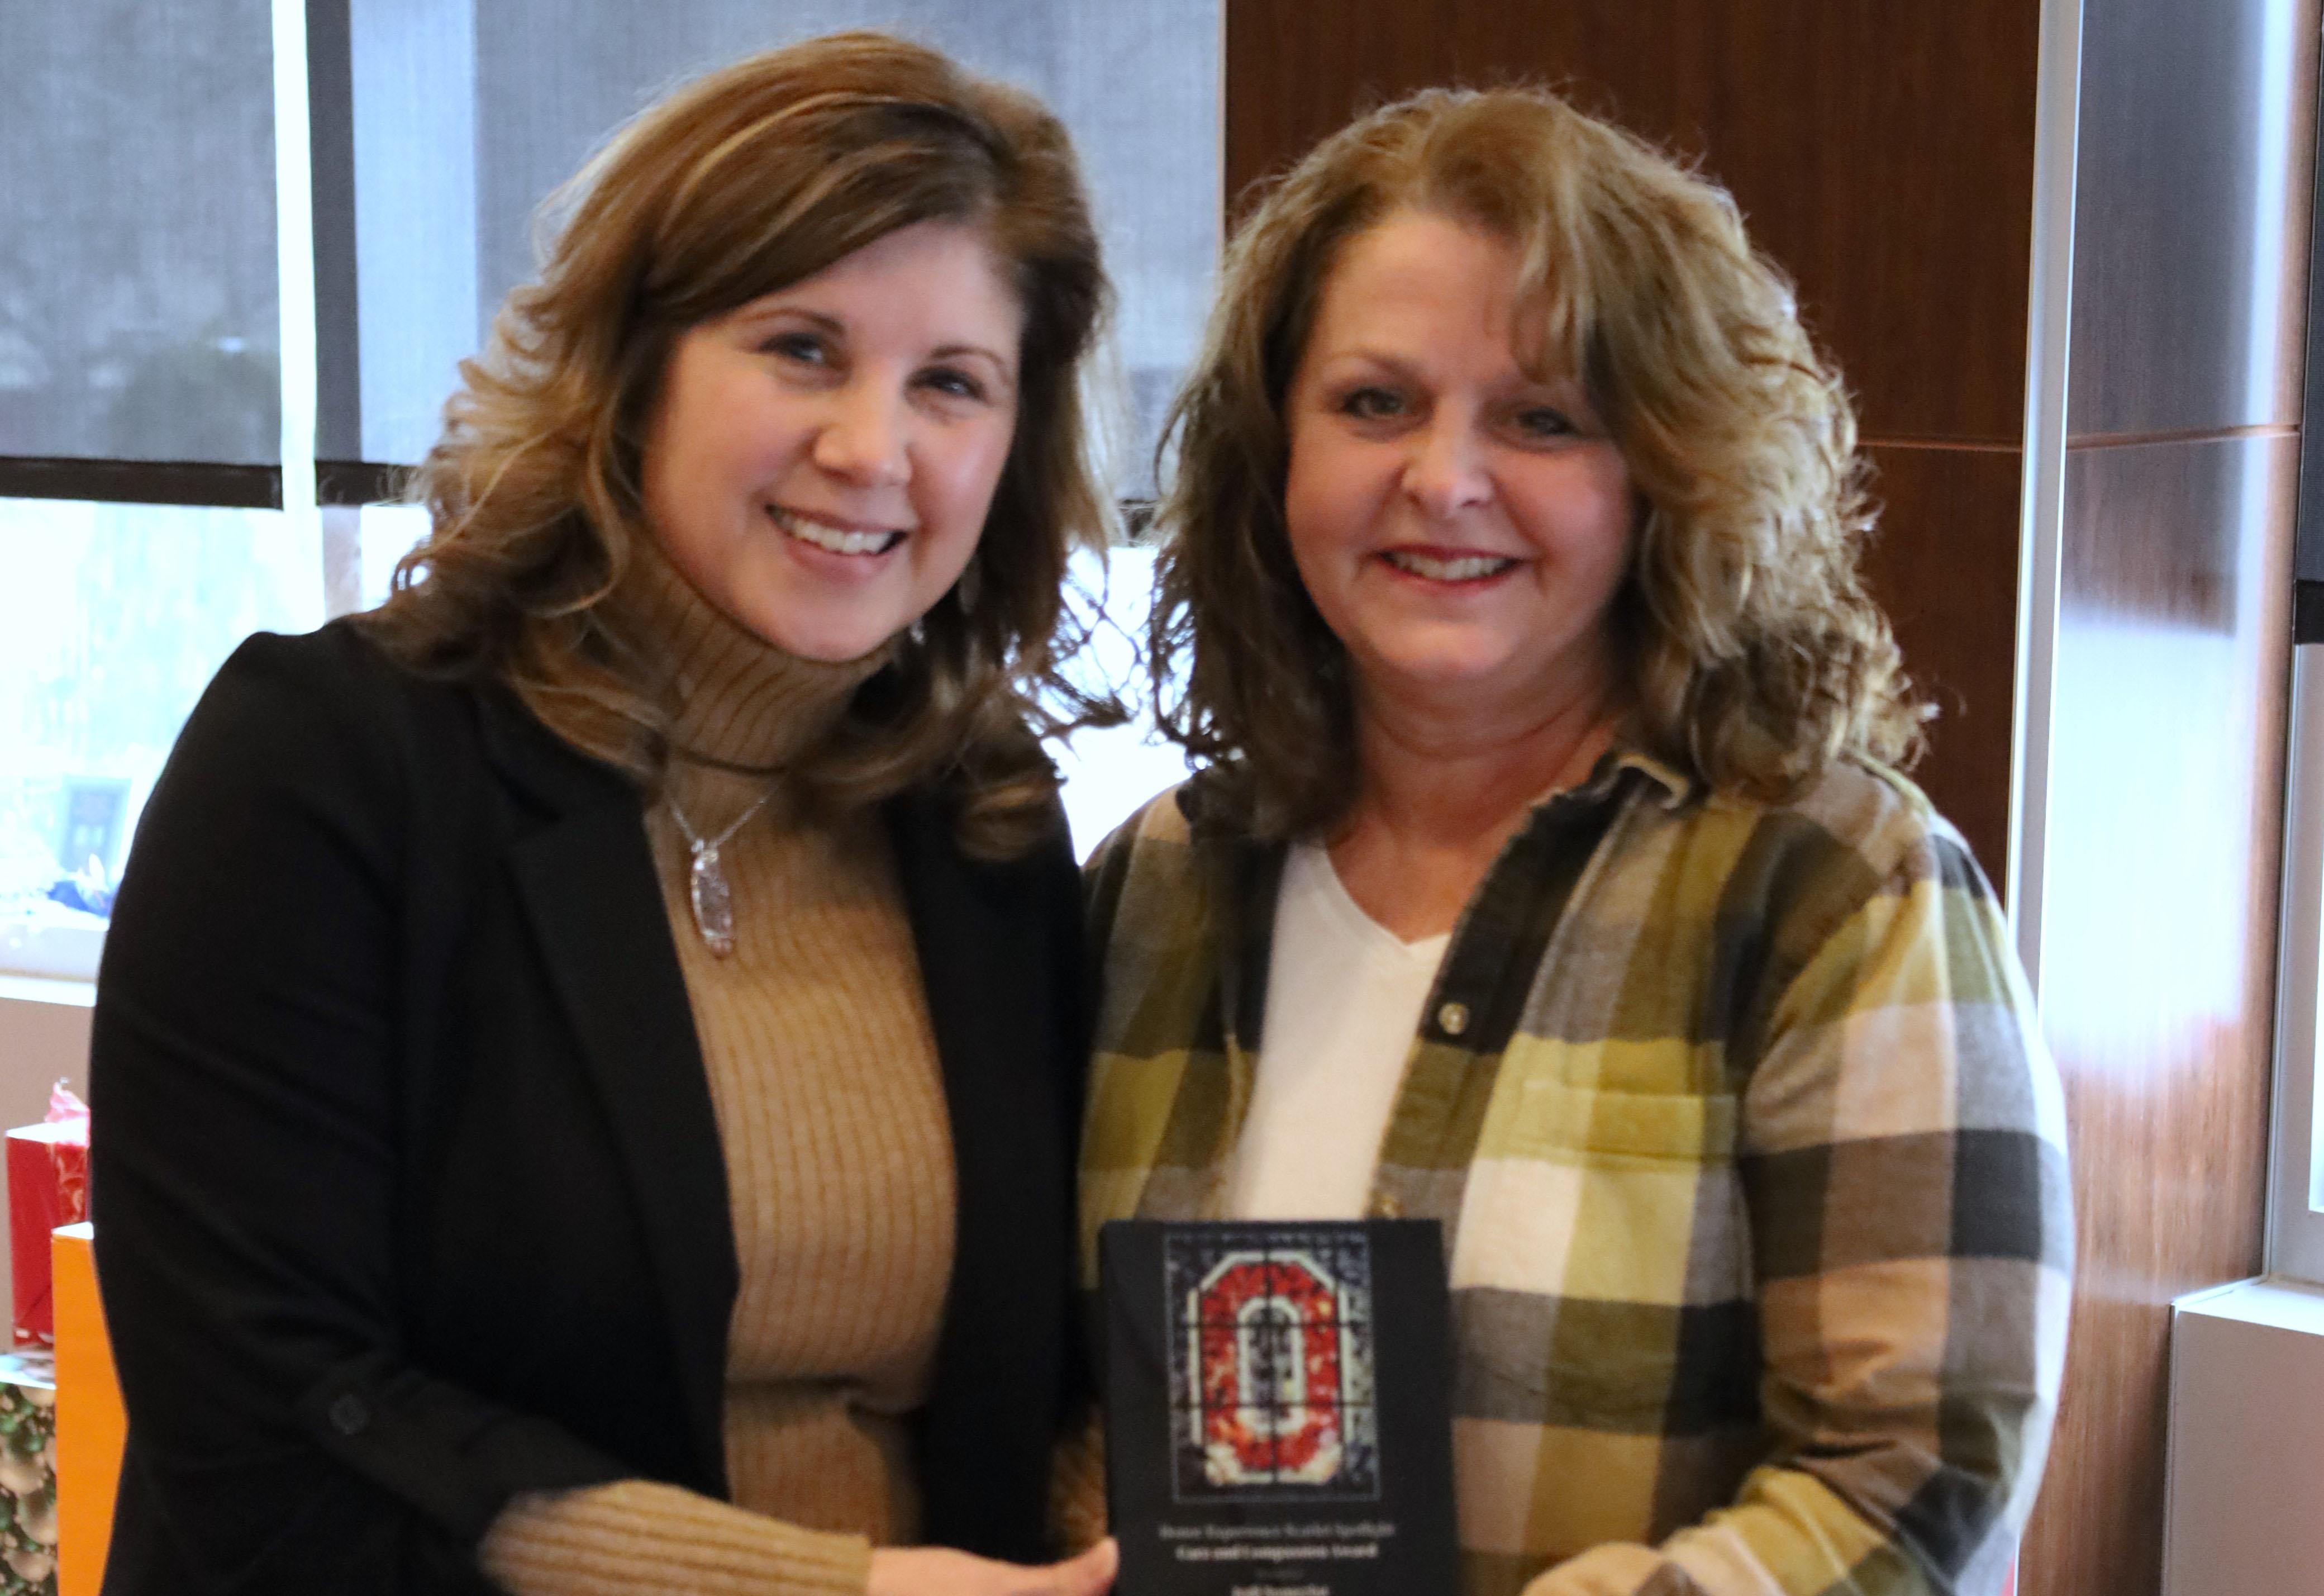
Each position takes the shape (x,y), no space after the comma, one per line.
(587,1055)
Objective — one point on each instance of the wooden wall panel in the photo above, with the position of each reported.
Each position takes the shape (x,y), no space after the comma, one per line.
(2158,976)
(2173,667)
(1944,565)
(1883,154)
(2190,246)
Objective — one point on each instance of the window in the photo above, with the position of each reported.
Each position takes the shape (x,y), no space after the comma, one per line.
(113,618)
(153,507)
(2295,1240)
(465,116)
(1109,770)
(139,331)
(138,314)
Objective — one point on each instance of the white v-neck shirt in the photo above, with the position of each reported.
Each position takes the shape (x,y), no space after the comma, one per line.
(1343,1001)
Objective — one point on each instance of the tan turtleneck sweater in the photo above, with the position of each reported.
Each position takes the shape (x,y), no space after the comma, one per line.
(831,1114)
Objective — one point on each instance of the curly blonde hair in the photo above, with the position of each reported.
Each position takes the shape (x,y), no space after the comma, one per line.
(747,180)
(1753,656)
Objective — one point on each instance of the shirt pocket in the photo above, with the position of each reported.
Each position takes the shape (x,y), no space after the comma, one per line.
(1543,1116)
(1593,1220)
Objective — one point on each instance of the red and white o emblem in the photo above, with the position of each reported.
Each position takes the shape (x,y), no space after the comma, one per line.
(1268,1360)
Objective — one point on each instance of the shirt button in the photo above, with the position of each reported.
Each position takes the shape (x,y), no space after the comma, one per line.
(350,1415)
(1452,1018)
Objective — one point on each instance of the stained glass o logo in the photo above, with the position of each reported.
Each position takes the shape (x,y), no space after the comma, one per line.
(1270,1364)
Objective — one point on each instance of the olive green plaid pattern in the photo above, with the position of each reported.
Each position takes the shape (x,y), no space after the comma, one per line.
(1749,1158)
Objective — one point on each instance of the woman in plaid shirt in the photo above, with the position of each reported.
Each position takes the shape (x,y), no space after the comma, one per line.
(1549,873)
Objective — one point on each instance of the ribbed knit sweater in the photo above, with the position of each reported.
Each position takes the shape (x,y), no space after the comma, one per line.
(831,1114)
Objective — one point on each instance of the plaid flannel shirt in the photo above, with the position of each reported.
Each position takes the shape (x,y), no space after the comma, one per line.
(1750,1160)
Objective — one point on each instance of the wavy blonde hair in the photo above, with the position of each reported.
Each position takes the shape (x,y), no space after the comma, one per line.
(739,184)
(1754,655)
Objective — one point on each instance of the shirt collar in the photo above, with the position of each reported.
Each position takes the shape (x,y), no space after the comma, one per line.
(1200,800)
(1674,785)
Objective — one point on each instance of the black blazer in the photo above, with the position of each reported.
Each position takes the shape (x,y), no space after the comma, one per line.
(407,1183)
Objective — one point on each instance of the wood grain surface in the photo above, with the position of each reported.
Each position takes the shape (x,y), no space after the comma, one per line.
(2158,978)
(2191,248)
(1943,564)
(1883,155)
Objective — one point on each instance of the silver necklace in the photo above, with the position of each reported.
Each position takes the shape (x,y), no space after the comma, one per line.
(707,888)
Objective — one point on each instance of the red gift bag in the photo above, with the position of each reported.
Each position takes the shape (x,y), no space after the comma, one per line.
(48,1186)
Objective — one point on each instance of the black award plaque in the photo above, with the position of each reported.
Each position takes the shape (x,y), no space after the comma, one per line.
(1278,1413)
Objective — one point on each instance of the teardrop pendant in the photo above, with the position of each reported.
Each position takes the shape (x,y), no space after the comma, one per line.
(706,890)
(713,901)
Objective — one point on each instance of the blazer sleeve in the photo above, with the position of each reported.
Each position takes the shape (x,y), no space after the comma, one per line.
(247,1179)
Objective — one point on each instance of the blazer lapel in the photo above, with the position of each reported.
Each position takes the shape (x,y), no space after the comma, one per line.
(585,878)
(996,981)
(974,984)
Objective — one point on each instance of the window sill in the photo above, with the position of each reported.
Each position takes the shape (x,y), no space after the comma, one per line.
(49,942)
(2270,1301)
(2246,1407)
(61,991)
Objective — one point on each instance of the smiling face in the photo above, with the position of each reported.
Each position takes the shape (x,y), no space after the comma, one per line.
(1461,527)
(819,462)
